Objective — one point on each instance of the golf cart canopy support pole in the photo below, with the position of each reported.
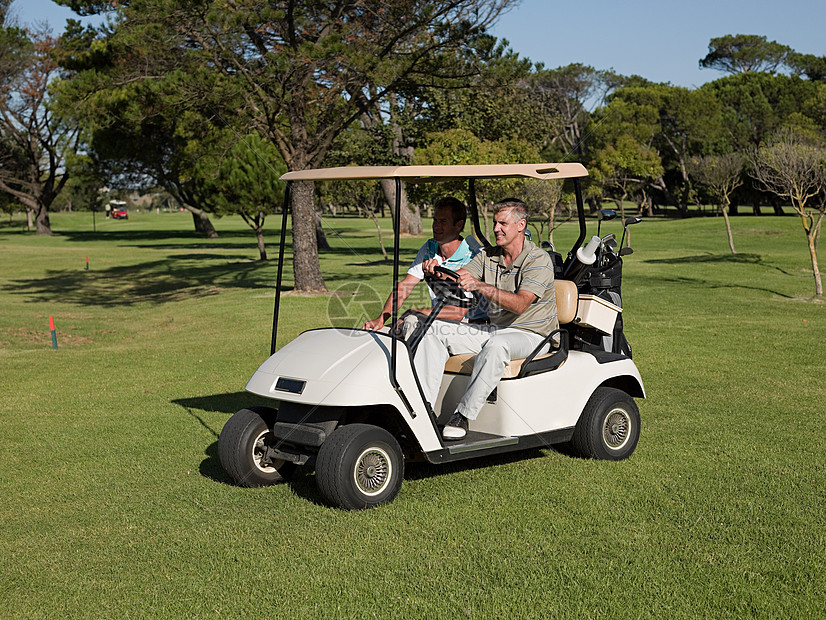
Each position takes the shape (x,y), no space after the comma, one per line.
(474,212)
(394,316)
(284,209)
(580,210)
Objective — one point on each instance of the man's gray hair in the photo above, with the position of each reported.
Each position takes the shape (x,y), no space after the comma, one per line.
(519,210)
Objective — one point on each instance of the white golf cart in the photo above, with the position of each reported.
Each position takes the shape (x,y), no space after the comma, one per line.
(348,401)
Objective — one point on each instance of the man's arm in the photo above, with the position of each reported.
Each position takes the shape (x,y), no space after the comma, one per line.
(405,288)
(516,302)
(448,313)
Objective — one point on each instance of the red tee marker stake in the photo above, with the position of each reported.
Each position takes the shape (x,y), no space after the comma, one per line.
(87,263)
(54,334)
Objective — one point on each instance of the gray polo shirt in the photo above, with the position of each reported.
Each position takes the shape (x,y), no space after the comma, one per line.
(531,271)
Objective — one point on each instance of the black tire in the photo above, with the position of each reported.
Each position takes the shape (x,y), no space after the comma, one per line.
(240,449)
(609,427)
(359,466)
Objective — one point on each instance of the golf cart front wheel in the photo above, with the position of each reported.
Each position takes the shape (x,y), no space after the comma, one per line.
(359,466)
(609,427)
(242,449)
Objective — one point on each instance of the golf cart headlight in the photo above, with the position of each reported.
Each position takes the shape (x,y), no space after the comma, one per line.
(294,386)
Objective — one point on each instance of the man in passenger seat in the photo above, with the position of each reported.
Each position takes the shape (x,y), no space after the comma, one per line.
(517,279)
(447,248)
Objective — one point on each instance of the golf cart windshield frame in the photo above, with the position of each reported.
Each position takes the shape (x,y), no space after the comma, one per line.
(423,174)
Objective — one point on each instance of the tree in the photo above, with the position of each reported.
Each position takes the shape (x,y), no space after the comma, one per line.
(385,129)
(34,139)
(625,166)
(139,131)
(755,105)
(721,174)
(566,94)
(244,181)
(794,168)
(813,67)
(544,199)
(83,190)
(743,53)
(300,73)
(503,100)
(687,121)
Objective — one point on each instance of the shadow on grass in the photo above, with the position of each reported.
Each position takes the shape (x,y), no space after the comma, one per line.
(155,282)
(301,483)
(224,403)
(143,238)
(698,282)
(709,258)
(743,259)
(211,468)
(227,403)
(178,277)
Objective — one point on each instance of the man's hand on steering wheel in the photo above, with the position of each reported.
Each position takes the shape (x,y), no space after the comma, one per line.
(444,283)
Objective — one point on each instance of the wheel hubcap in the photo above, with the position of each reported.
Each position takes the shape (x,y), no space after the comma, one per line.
(373,471)
(259,452)
(617,429)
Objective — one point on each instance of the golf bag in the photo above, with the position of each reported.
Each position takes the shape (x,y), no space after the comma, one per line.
(605,282)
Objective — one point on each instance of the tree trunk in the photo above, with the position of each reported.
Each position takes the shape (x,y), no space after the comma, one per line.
(203,225)
(306,270)
(411,222)
(810,238)
(29,220)
(728,230)
(777,206)
(42,221)
(818,227)
(378,229)
(259,235)
(811,234)
(660,184)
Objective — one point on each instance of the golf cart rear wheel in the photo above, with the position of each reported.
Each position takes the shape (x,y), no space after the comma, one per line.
(242,449)
(359,466)
(609,427)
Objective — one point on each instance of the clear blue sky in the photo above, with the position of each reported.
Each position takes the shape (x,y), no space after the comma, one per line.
(662,41)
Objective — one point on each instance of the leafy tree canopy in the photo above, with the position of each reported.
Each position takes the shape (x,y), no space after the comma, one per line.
(813,67)
(755,104)
(743,53)
(459,146)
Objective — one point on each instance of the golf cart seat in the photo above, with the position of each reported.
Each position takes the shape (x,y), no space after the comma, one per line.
(566,307)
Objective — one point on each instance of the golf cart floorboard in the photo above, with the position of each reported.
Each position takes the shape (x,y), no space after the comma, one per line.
(475,440)
(478,444)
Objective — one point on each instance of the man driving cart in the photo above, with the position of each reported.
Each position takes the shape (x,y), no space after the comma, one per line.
(517,279)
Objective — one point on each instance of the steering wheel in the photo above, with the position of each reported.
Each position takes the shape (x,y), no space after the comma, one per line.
(449,290)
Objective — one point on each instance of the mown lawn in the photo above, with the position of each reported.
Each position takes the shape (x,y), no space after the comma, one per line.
(115,505)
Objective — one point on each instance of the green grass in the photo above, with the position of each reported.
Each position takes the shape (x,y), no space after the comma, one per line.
(115,505)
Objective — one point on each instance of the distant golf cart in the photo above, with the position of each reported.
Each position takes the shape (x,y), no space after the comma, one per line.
(117,210)
(348,402)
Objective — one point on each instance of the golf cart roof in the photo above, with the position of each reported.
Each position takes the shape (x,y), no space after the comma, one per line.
(417,174)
